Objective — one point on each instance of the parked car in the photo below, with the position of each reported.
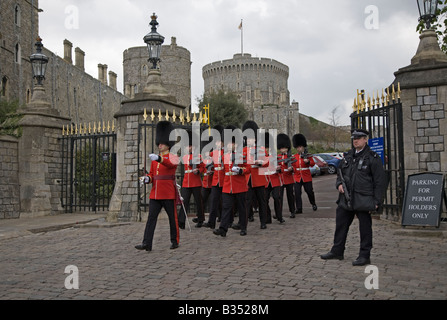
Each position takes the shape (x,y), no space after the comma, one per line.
(332,161)
(315,170)
(338,155)
(323,165)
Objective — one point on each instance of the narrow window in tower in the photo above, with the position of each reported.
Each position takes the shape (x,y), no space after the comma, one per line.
(17,15)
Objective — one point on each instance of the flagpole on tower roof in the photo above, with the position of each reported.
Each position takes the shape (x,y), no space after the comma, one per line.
(241,27)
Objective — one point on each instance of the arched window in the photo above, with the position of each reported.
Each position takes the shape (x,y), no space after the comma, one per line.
(17,54)
(144,71)
(4,87)
(17,15)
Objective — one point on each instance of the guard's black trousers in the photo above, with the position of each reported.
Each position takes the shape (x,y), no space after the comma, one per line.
(343,221)
(229,201)
(186,195)
(308,188)
(155,207)
(290,196)
(275,192)
(259,194)
(215,205)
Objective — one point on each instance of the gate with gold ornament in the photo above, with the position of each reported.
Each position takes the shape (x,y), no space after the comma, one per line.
(382,117)
(88,166)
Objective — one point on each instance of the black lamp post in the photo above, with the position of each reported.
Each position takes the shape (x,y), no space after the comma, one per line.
(39,62)
(427,11)
(154,41)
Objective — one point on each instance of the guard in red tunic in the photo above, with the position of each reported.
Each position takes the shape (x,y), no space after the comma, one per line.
(256,182)
(234,189)
(207,183)
(274,185)
(302,174)
(217,157)
(192,182)
(164,191)
(284,160)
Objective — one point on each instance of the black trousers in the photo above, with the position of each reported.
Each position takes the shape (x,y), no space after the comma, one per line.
(230,201)
(259,194)
(290,196)
(275,192)
(343,221)
(215,205)
(205,197)
(155,207)
(308,188)
(186,195)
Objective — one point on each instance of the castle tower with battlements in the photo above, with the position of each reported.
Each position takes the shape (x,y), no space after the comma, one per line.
(261,85)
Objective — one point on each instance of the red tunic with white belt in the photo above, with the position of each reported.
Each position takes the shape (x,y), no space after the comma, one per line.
(302,169)
(162,177)
(219,170)
(257,178)
(273,176)
(208,175)
(192,180)
(286,174)
(235,183)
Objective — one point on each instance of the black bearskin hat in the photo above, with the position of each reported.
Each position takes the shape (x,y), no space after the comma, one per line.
(164,129)
(299,140)
(220,129)
(232,128)
(283,141)
(192,137)
(269,137)
(253,126)
(250,125)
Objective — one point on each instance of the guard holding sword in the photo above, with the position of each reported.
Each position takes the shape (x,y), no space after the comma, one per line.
(302,174)
(234,189)
(164,193)
(192,182)
(284,160)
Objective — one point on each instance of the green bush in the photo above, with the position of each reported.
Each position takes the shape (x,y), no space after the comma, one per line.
(9,118)
(86,171)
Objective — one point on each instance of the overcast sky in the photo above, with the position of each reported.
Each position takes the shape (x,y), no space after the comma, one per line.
(332,47)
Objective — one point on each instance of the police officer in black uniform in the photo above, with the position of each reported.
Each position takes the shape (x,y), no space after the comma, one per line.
(361,183)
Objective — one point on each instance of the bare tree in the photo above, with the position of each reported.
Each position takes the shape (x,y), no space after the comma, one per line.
(334,122)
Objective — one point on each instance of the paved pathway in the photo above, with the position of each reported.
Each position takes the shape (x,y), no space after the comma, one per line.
(279,263)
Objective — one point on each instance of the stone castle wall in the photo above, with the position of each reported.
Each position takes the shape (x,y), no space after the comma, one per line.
(78,95)
(19,26)
(9,178)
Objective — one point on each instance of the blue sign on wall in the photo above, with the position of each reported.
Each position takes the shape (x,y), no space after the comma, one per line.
(378,146)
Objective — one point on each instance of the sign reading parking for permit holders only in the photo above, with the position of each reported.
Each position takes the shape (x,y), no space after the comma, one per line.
(423,200)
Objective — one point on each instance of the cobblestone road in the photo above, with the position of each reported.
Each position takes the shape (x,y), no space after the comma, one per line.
(279,263)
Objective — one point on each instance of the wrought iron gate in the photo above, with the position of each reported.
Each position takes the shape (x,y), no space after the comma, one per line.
(88,168)
(382,117)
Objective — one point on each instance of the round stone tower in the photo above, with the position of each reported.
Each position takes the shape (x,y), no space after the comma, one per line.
(175,67)
(257,81)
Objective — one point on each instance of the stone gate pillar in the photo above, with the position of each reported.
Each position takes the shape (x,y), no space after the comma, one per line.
(424,103)
(40,157)
(124,202)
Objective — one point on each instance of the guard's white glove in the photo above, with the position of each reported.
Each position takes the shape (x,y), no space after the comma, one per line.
(144,180)
(154,157)
(236,170)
